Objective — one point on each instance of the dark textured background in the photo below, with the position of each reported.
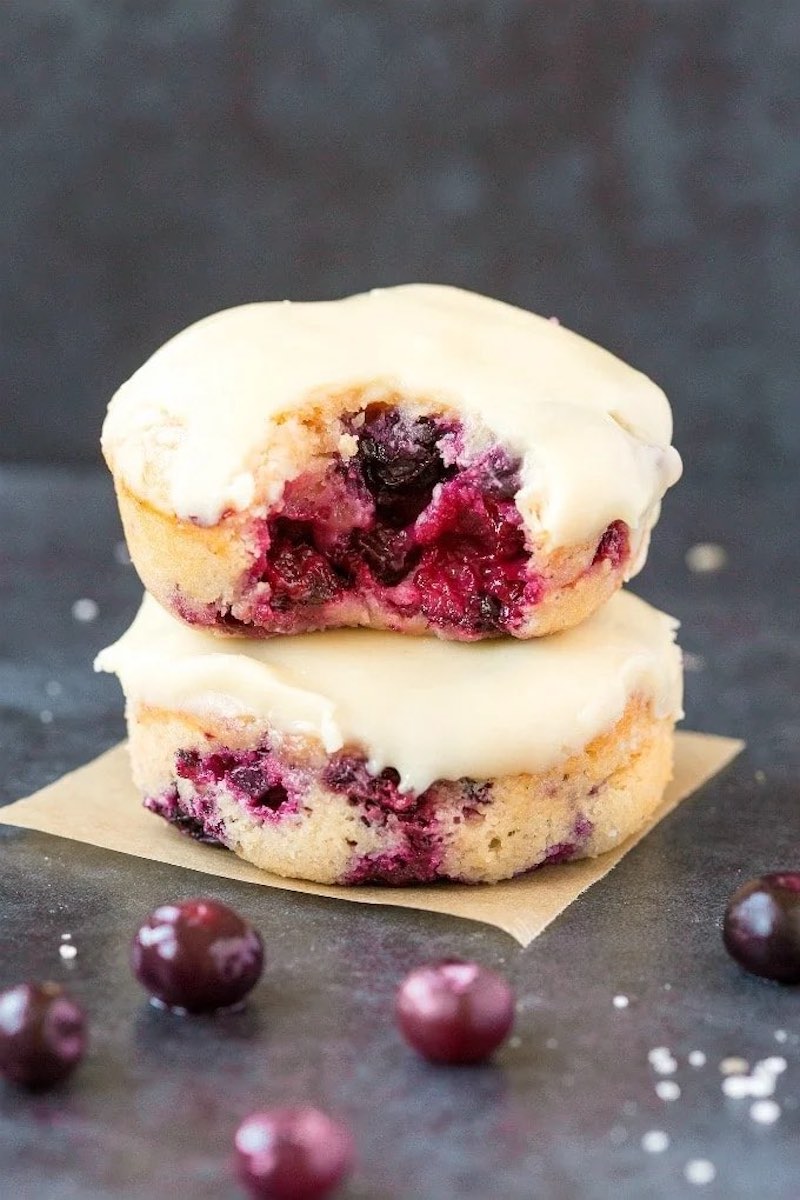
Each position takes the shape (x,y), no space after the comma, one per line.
(630,165)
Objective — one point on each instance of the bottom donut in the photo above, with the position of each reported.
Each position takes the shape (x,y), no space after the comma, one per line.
(358,757)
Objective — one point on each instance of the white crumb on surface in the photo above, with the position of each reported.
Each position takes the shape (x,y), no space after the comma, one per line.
(668,1089)
(765,1112)
(697,1058)
(655,1141)
(781,1035)
(46,717)
(66,937)
(775,1064)
(552,1043)
(762,1084)
(662,1061)
(734,1066)
(85,609)
(705,558)
(621,1001)
(758,1085)
(53,688)
(736,1087)
(700,1171)
(68,952)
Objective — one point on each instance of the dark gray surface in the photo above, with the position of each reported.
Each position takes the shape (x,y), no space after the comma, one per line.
(632,166)
(152,1113)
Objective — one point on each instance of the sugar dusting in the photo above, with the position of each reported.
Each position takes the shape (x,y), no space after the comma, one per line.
(765,1112)
(706,558)
(700,1171)
(662,1060)
(85,610)
(655,1141)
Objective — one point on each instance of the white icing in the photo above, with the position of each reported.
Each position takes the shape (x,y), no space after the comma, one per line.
(431,709)
(192,426)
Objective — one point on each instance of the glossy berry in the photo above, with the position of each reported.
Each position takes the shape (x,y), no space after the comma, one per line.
(197,956)
(42,1034)
(292,1154)
(454,1012)
(761,928)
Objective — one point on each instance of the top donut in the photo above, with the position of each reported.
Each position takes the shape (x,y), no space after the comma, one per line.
(417,458)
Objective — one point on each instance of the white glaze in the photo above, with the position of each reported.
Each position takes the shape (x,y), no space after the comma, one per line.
(431,709)
(193,426)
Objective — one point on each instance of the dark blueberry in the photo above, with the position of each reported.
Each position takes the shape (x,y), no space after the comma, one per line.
(297,572)
(168,806)
(454,1012)
(386,553)
(489,613)
(197,956)
(500,476)
(42,1034)
(292,1154)
(256,785)
(400,463)
(761,927)
(348,774)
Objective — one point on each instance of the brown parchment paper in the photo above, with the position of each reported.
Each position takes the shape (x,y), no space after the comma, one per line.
(98,805)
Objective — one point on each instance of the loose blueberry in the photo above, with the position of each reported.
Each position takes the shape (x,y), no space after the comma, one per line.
(42,1034)
(292,1154)
(197,956)
(761,927)
(454,1012)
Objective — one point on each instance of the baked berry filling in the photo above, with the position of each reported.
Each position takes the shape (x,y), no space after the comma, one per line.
(614,546)
(416,826)
(409,525)
(271,790)
(255,778)
(411,819)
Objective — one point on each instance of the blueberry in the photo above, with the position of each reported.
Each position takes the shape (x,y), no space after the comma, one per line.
(197,956)
(385,551)
(400,463)
(42,1034)
(297,572)
(761,927)
(454,1012)
(292,1154)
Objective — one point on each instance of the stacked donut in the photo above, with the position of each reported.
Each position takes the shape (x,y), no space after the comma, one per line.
(384,540)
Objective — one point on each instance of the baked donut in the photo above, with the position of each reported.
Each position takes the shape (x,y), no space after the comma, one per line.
(420,459)
(365,757)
